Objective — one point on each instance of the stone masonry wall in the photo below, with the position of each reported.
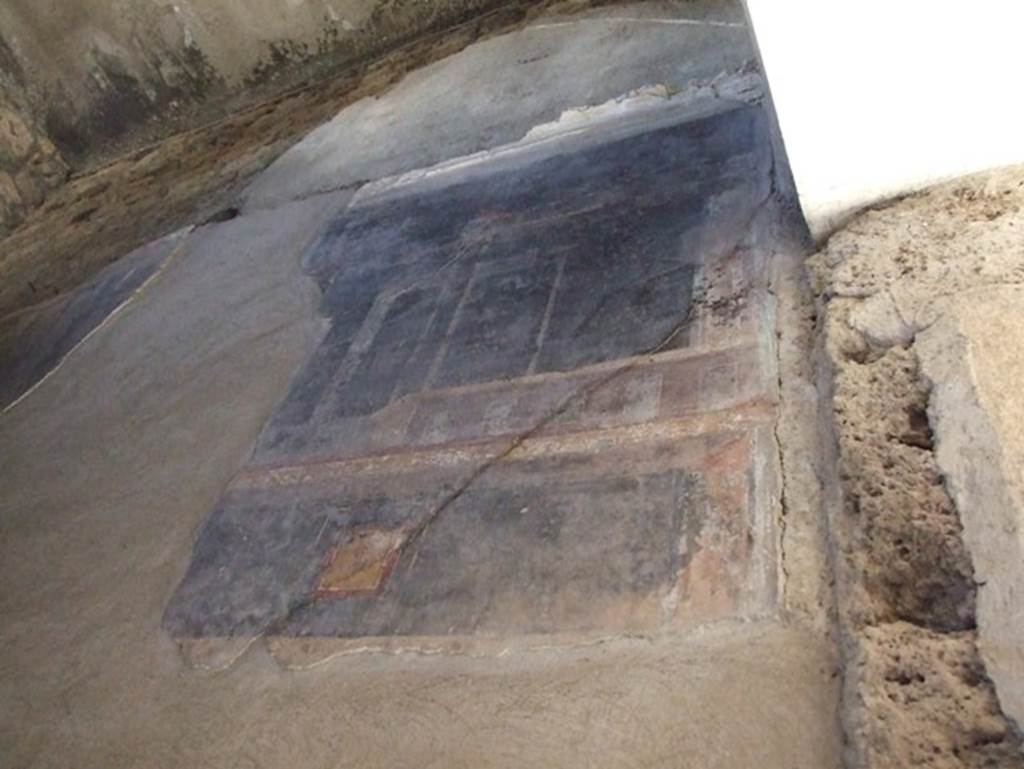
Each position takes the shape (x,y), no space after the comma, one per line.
(30,165)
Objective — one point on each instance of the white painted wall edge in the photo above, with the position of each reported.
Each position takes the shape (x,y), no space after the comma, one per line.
(877,98)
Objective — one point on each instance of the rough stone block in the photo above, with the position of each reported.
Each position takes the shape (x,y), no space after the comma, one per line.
(974,360)
(16,139)
(10,198)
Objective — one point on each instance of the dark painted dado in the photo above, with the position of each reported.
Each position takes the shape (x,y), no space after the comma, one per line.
(533,410)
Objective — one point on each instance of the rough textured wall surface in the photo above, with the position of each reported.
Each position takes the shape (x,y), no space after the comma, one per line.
(927,561)
(30,165)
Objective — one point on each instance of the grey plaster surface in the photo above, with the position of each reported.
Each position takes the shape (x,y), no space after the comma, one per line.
(34,342)
(494,92)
